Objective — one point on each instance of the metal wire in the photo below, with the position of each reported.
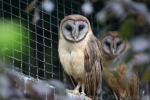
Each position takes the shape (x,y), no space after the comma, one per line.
(37,55)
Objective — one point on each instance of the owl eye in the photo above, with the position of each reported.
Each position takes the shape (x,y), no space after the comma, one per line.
(119,43)
(107,43)
(81,27)
(69,28)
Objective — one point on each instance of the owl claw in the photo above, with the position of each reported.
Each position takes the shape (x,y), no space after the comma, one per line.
(75,92)
(84,97)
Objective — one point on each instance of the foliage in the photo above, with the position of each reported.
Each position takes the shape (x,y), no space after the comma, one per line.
(10,33)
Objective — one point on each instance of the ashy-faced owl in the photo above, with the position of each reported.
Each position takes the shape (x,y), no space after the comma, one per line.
(79,53)
(113,45)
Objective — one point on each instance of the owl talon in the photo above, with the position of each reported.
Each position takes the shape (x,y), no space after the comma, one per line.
(69,91)
(75,92)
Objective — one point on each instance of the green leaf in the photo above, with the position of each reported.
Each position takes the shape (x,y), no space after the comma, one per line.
(126,28)
(146,76)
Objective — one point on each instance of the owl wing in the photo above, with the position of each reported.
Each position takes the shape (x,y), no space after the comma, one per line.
(134,86)
(92,65)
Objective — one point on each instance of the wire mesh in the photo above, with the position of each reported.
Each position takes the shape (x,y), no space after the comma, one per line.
(37,55)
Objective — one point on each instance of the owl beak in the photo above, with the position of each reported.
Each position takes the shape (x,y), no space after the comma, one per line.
(75,35)
(113,51)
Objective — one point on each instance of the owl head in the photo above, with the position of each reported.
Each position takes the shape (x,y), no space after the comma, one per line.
(74,28)
(113,44)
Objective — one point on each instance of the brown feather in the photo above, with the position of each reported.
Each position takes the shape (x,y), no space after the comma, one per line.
(92,66)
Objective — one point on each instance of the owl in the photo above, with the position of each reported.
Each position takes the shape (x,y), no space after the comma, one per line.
(113,45)
(79,54)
